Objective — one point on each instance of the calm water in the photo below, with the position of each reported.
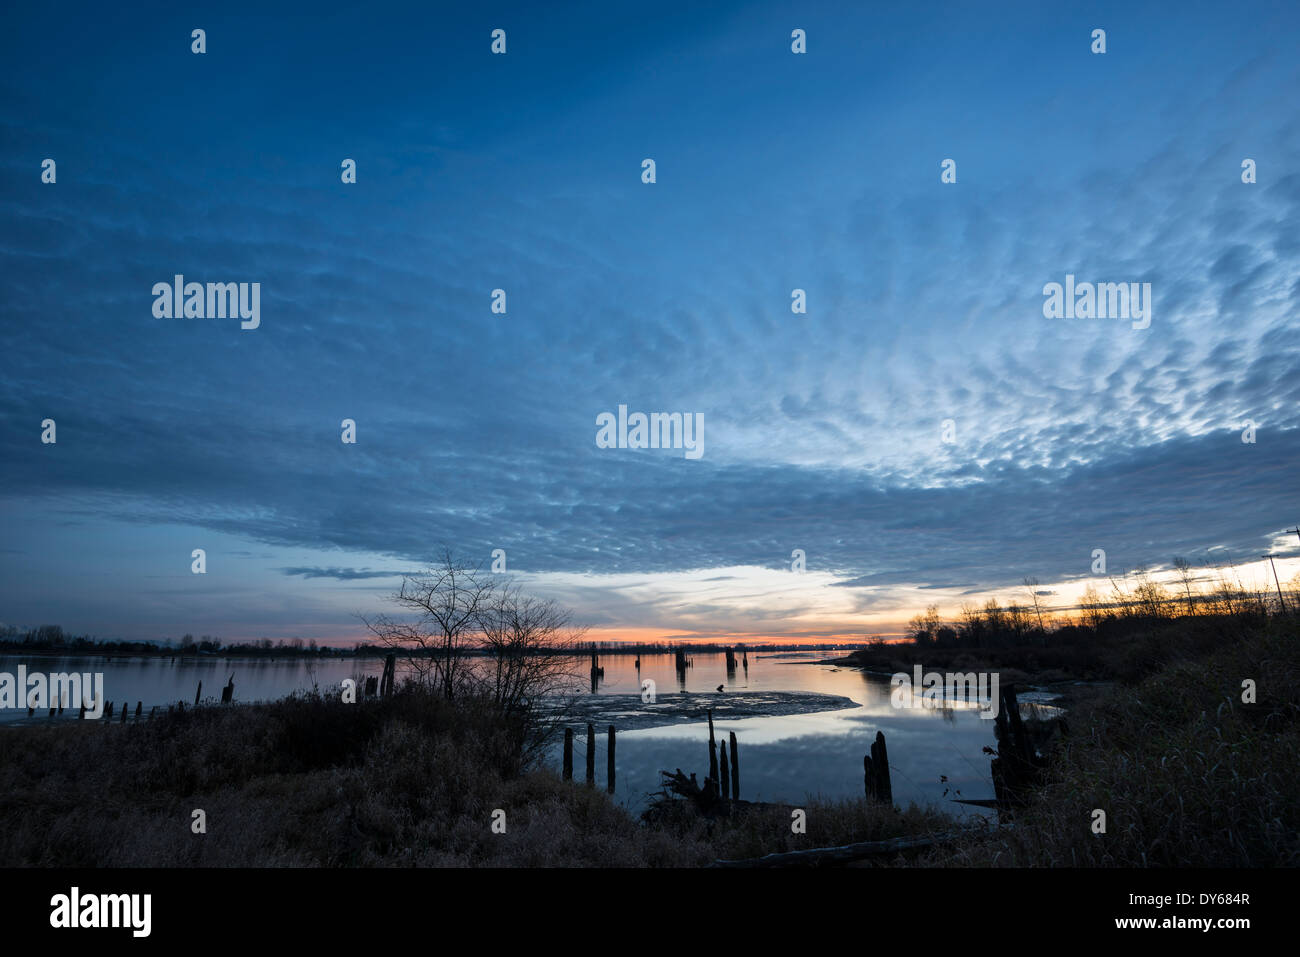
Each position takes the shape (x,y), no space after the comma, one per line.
(784,759)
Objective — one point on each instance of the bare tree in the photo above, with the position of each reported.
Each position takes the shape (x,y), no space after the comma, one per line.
(1093,607)
(448,601)
(1031,585)
(924,629)
(531,648)
(1184,568)
(531,654)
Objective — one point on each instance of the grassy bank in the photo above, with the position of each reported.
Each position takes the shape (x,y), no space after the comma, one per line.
(1186,773)
(411,780)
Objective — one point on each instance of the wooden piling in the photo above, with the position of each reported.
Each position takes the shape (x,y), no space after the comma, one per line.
(110,709)
(876,770)
(198,692)
(735,768)
(126,706)
(713,751)
(139,706)
(609,759)
(725,789)
(228,692)
(591,755)
(568,754)
(81,715)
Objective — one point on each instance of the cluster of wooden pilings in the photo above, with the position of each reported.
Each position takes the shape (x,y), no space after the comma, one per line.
(725,780)
(227,697)
(591,756)
(720,793)
(108,710)
(382,685)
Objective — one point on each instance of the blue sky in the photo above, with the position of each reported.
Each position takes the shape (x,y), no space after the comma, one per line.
(775,171)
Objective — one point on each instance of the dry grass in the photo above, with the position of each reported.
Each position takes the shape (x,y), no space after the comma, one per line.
(1187,774)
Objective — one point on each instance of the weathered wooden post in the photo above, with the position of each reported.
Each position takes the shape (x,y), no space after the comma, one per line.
(126,706)
(735,769)
(81,716)
(198,692)
(568,754)
(139,706)
(877,771)
(713,751)
(591,755)
(726,774)
(609,759)
(389,676)
(151,712)
(110,709)
(228,692)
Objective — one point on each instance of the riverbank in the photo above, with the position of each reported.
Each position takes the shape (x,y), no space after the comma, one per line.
(1186,772)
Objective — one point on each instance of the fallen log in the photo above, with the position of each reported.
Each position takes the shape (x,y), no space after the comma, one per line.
(977,802)
(817,856)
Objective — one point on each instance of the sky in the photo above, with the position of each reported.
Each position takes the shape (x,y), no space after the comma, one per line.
(923,433)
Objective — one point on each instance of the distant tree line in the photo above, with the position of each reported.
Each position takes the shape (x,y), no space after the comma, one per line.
(52,638)
(1131,602)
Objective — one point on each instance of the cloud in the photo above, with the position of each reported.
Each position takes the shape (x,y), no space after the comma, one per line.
(340,574)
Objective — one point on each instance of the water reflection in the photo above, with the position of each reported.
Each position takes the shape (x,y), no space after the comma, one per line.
(789,758)
(782,758)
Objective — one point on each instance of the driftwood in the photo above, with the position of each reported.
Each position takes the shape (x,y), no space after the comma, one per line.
(705,798)
(844,854)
